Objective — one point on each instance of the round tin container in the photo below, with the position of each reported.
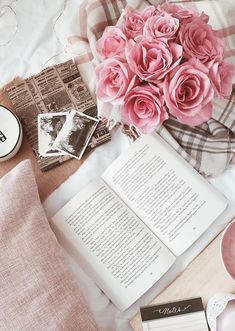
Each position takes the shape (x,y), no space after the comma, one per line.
(11,134)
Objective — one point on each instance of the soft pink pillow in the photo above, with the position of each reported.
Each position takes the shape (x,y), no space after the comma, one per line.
(37,289)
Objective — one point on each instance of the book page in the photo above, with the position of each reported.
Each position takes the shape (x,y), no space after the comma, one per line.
(118,251)
(165,192)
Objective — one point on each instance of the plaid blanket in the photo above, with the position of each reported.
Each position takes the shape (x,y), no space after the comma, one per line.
(210,147)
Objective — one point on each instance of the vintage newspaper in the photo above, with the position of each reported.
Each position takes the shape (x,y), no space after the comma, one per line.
(57,88)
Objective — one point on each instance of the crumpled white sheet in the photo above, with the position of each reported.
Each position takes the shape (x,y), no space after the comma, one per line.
(34,44)
(37,43)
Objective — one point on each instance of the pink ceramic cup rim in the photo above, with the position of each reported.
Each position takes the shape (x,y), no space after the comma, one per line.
(225,232)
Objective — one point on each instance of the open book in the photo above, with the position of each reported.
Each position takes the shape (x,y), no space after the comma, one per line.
(127,227)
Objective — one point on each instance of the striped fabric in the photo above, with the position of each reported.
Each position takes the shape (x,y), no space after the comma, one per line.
(210,147)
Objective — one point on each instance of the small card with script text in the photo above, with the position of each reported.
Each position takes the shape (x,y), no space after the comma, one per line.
(187,315)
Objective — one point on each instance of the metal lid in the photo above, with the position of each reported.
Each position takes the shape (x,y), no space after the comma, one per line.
(10,134)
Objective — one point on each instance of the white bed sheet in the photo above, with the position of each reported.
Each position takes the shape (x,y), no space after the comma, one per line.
(34,44)
(37,39)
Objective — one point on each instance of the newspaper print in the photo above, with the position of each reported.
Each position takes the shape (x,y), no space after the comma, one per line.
(57,88)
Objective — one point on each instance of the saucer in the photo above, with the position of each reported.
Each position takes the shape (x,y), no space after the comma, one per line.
(227,249)
(10,134)
(221,312)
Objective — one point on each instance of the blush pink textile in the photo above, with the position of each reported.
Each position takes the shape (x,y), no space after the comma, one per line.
(37,289)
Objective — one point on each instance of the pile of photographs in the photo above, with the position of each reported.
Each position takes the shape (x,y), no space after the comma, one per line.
(65,133)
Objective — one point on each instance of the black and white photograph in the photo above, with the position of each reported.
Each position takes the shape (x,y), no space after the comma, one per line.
(76,134)
(49,125)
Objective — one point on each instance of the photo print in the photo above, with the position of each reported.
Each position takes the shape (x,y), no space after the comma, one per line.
(76,134)
(49,125)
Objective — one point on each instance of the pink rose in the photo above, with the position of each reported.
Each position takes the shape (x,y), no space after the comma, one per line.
(188,93)
(149,11)
(114,77)
(164,25)
(144,108)
(112,43)
(221,75)
(133,24)
(150,59)
(200,41)
(182,14)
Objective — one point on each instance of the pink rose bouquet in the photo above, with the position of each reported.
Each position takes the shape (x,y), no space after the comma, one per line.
(164,59)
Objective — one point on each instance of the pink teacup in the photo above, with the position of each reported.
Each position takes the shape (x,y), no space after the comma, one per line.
(228,249)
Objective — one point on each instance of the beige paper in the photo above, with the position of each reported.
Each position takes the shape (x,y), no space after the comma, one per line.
(57,88)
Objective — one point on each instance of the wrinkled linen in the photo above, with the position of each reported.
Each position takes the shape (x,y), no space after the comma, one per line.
(37,289)
(209,147)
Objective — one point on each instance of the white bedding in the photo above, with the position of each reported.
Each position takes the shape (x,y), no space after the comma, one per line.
(34,44)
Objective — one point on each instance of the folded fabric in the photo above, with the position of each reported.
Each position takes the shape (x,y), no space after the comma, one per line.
(37,289)
(209,147)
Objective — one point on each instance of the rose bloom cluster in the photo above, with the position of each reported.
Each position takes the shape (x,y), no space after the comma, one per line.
(162,59)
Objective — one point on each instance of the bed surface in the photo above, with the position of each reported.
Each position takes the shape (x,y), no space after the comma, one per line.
(34,46)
